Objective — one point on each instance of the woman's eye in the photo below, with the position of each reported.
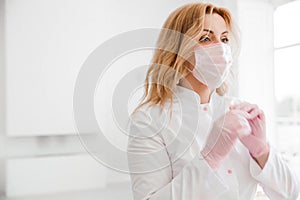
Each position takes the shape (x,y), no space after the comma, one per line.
(225,40)
(204,39)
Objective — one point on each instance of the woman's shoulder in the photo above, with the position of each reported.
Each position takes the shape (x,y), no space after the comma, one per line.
(150,117)
(146,112)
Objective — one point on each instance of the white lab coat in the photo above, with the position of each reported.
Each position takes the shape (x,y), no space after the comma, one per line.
(165,161)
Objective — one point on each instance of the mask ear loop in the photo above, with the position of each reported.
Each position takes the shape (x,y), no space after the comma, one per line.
(183,77)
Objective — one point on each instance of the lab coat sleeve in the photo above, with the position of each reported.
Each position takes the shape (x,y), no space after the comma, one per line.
(278,181)
(151,172)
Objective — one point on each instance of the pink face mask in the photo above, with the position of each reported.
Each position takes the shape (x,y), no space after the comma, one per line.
(212,64)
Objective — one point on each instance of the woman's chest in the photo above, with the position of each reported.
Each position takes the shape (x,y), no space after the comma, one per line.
(185,139)
(234,171)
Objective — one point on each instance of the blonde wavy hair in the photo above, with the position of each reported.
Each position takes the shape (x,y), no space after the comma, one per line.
(175,46)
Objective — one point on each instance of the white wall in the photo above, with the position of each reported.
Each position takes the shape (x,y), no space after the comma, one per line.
(2,100)
(51,40)
(43,45)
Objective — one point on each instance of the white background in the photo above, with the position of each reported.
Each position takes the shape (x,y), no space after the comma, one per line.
(43,44)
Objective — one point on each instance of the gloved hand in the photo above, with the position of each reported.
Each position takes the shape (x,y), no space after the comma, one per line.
(223,136)
(256,142)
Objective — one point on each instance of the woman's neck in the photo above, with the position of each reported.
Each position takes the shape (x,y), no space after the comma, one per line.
(192,83)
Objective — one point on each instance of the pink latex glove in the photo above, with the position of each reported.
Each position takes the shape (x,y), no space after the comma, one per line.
(223,136)
(256,142)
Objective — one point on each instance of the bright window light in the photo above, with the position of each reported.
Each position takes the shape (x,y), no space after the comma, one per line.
(287,81)
(286,24)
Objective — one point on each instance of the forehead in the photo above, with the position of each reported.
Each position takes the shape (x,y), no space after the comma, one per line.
(215,22)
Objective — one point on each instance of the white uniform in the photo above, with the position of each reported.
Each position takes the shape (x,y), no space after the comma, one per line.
(165,161)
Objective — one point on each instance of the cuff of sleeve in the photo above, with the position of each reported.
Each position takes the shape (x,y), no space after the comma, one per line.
(258,173)
(214,182)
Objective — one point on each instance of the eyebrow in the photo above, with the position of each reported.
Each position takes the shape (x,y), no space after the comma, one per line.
(210,31)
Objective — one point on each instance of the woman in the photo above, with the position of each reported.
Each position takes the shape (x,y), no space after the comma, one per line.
(188,140)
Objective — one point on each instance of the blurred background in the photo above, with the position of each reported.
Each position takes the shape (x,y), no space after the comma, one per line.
(43,44)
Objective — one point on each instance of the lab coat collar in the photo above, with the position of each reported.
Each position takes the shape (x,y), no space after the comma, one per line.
(190,94)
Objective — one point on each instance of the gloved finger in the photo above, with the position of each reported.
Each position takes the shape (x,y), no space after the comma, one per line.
(255,113)
(240,113)
(245,106)
(243,131)
(238,106)
(242,106)
(244,137)
(252,109)
(261,116)
(242,124)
